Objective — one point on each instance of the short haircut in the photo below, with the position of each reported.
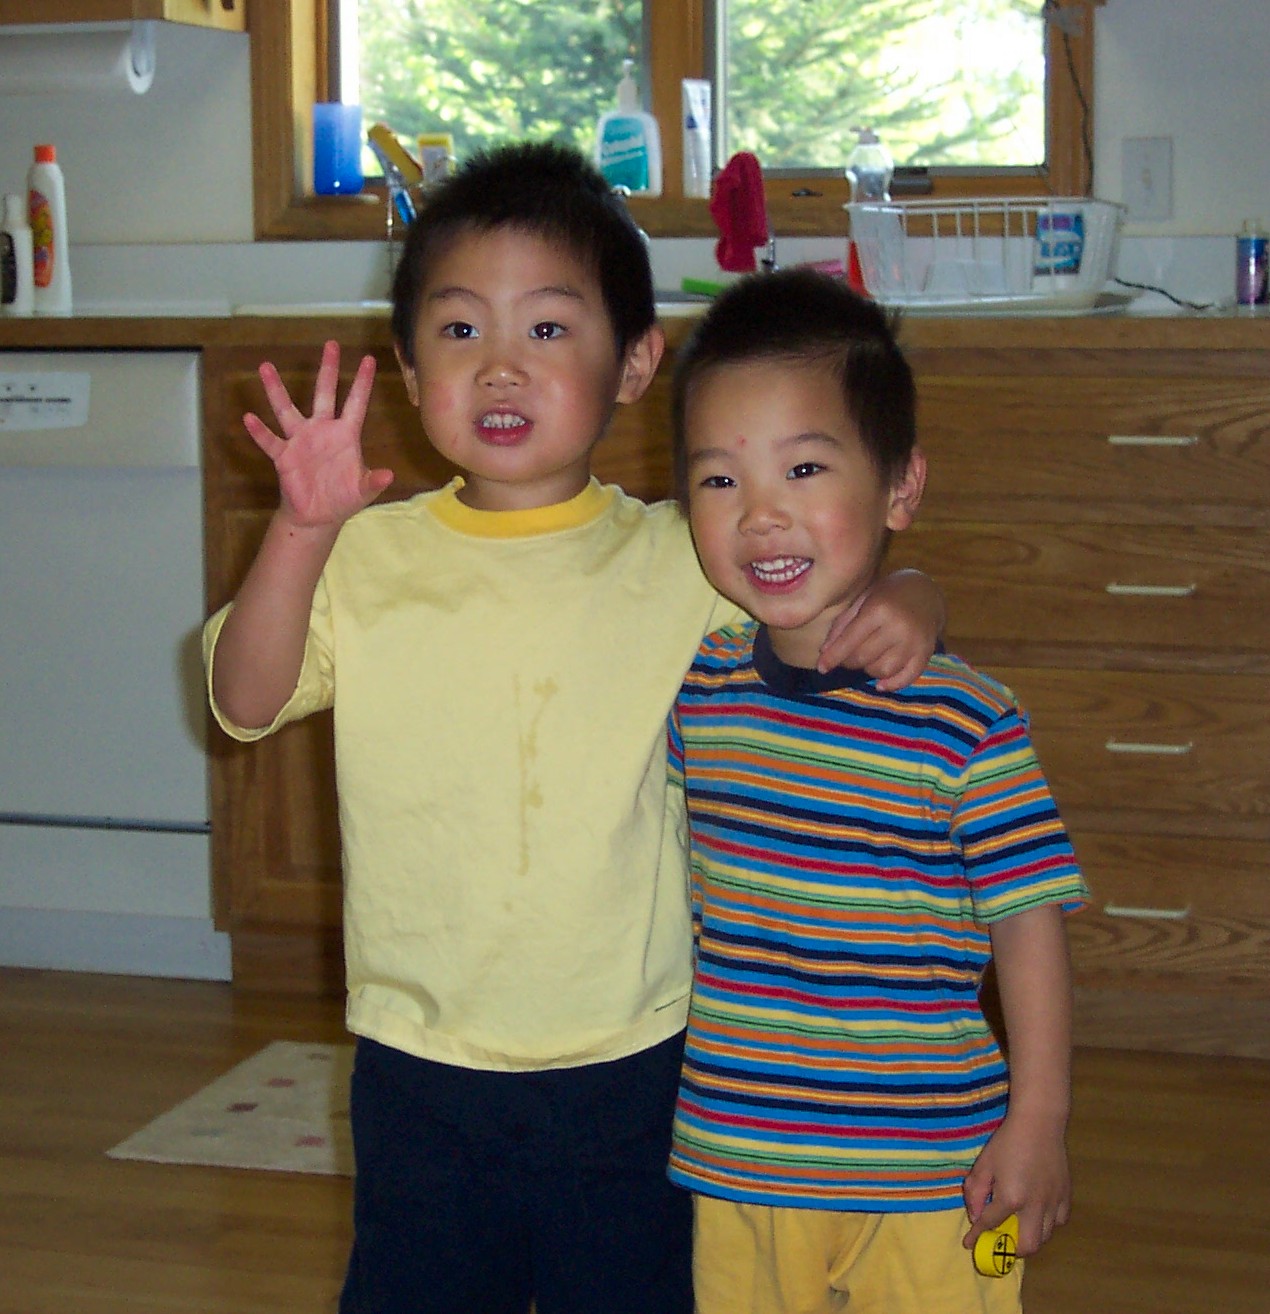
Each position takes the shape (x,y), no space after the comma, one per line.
(546,190)
(804,317)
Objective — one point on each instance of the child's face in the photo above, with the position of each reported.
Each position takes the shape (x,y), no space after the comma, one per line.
(516,372)
(788,512)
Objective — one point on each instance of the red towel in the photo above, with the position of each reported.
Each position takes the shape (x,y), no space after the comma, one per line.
(739,211)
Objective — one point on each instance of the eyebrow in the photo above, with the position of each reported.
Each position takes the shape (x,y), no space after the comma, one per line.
(809,437)
(456,291)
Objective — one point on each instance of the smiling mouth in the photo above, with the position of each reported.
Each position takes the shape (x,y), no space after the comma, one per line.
(779,572)
(503,428)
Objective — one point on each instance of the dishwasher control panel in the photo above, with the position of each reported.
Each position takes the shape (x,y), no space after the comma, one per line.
(43,401)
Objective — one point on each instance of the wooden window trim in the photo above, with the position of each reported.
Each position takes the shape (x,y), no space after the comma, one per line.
(288,75)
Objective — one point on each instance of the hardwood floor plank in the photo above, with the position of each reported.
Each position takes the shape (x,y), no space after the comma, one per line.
(1170,1156)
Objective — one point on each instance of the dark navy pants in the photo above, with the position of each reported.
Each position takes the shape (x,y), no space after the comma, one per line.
(478,1192)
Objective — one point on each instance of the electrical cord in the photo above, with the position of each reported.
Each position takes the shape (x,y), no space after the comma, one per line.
(1164,292)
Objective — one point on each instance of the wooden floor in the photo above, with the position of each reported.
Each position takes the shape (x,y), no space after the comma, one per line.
(1171,1156)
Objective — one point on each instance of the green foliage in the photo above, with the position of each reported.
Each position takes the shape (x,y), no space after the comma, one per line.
(488,71)
(800,74)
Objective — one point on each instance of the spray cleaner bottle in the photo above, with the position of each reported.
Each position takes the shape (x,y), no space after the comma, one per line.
(46,197)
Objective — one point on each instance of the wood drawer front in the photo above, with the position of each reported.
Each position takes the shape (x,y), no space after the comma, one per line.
(1163,907)
(1165,439)
(1151,751)
(1166,586)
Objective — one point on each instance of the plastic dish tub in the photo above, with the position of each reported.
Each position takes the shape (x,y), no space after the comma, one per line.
(986,253)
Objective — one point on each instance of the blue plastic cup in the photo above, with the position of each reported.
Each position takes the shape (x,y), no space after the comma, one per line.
(337,149)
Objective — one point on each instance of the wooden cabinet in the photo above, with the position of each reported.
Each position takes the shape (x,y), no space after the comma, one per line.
(227,14)
(1098,514)
(1100,522)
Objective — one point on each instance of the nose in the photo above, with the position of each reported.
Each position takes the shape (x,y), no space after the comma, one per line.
(500,366)
(762,513)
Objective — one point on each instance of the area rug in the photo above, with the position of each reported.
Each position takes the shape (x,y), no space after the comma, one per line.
(284,1109)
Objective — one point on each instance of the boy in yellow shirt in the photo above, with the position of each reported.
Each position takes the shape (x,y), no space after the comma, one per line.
(501,655)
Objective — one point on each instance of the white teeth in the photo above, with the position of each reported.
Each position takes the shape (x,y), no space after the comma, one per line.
(780,570)
(502,420)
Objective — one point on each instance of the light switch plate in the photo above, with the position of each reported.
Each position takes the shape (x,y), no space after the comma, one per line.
(1148,177)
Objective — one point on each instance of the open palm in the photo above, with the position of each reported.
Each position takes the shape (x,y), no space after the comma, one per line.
(322,473)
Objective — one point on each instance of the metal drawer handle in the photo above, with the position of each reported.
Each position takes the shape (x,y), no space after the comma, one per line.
(1152,440)
(1153,914)
(1157,750)
(1152,590)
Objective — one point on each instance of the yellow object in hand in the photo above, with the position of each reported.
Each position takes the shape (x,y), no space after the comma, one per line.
(995,1251)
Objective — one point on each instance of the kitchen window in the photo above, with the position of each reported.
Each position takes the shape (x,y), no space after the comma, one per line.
(292,41)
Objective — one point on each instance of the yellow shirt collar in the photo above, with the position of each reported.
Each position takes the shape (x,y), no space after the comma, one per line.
(588,505)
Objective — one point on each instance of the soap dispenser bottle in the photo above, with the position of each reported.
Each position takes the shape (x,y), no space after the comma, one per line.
(628,141)
(869,168)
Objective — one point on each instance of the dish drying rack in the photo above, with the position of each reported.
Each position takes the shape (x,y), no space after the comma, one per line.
(987,254)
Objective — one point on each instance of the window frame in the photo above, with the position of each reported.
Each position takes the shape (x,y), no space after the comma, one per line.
(289,73)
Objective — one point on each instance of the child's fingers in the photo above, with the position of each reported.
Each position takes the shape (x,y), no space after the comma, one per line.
(263,436)
(284,409)
(358,399)
(328,377)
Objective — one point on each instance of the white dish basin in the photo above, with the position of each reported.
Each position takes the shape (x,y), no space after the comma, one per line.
(311,309)
(382,309)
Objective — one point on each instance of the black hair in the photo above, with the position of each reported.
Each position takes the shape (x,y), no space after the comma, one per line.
(544,189)
(802,316)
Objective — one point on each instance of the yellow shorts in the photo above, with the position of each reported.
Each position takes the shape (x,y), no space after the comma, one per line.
(755,1259)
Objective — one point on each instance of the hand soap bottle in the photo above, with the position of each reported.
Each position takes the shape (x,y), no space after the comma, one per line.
(628,142)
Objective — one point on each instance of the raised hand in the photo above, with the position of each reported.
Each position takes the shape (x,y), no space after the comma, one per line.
(322,474)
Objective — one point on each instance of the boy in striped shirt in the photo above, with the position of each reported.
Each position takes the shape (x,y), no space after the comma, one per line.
(858,856)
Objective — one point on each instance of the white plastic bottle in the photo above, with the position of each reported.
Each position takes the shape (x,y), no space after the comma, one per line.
(869,168)
(46,198)
(628,141)
(17,259)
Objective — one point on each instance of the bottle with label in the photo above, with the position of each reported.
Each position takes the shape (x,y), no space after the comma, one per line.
(17,264)
(1252,265)
(869,168)
(46,198)
(628,141)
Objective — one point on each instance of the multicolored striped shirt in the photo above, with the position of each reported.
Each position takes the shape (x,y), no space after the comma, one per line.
(849,850)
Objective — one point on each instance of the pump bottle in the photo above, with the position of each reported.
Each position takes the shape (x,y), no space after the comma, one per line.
(628,141)
(46,197)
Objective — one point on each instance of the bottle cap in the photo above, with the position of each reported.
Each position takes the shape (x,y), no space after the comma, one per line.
(46,155)
(14,212)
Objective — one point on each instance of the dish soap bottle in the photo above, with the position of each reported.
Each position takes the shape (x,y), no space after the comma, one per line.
(869,168)
(628,141)
(46,198)
(16,260)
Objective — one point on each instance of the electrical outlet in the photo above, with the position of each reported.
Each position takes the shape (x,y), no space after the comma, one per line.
(1148,177)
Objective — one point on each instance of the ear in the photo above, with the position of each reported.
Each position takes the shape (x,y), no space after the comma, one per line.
(642,358)
(906,494)
(408,375)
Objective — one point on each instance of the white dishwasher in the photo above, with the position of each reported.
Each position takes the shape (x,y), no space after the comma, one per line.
(104,833)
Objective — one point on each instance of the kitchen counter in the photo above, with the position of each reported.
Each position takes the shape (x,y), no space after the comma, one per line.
(1181,332)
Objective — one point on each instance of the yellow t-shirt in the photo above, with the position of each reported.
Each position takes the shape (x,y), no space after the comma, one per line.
(514,862)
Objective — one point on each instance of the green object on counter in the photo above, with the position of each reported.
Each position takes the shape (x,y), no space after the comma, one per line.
(702,287)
